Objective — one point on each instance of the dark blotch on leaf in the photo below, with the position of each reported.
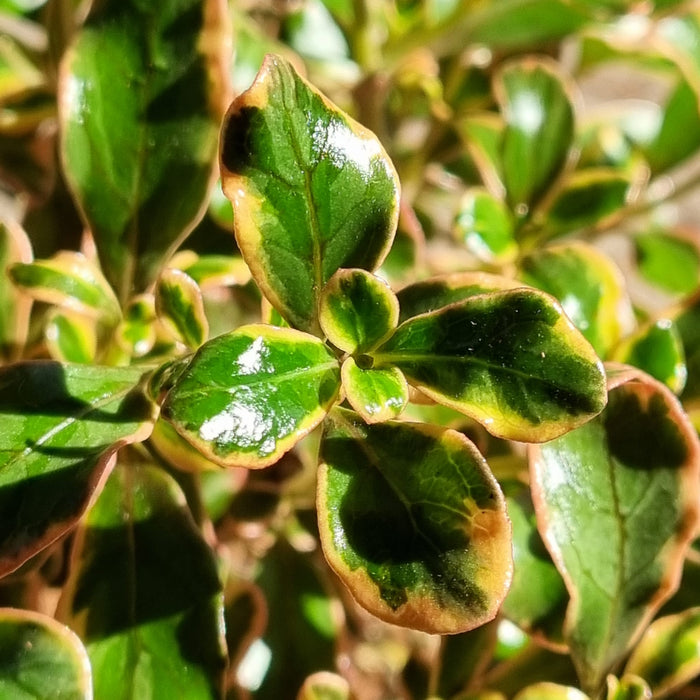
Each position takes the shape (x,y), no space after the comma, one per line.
(643,436)
(235,154)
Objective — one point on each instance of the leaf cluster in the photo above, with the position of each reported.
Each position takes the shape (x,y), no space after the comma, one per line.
(349,349)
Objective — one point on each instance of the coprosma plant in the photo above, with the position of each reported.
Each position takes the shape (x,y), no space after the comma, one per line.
(135,440)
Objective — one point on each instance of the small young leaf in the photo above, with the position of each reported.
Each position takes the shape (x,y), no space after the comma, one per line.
(669,261)
(590,288)
(144,592)
(485,226)
(510,359)
(437,292)
(312,190)
(656,349)
(550,691)
(596,491)
(627,688)
(41,658)
(70,337)
(358,310)
(324,686)
(61,426)
(68,279)
(376,394)
(482,136)
(141,96)
(536,103)
(180,307)
(212,270)
(14,305)
(249,396)
(426,547)
(668,654)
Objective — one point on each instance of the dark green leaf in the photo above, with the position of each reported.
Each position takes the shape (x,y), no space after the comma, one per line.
(358,310)
(536,104)
(426,547)
(687,322)
(511,360)
(668,260)
(180,307)
(376,394)
(590,197)
(41,659)
(597,490)
(249,396)
(668,654)
(678,136)
(590,288)
(61,426)
(141,97)
(537,597)
(312,190)
(144,593)
(303,624)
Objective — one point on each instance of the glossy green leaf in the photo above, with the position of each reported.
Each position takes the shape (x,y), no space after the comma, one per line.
(482,135)
(437,292)
(596,491)
(376,394)
(590,288)
(537,598)
(303,624)
(251,395)
(678,136)
(658,350)
(61,426)
(144,592)
(668,654)
(68,279)
(212,270)
(550,691)
(485,226)
(312,190)
(70,337)
(141,95)
(536,104)
(41,659)
(14,305)
(670,261)
(324,686)
(511,360)
(590,197)
(180,307)
(358,310)
(627,688)
(426,547)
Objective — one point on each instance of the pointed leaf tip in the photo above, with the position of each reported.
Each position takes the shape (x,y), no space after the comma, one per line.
(312,190)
